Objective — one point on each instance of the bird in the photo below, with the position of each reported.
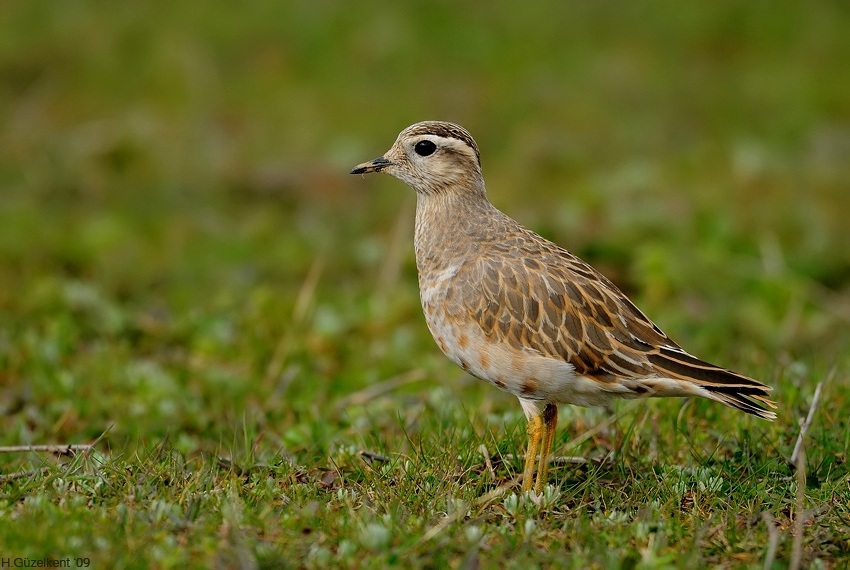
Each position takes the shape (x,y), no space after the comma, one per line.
(524,314)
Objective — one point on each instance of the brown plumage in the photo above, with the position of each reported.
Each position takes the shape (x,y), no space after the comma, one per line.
(523,313)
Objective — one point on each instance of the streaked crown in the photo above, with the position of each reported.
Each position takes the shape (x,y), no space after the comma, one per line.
(444,130)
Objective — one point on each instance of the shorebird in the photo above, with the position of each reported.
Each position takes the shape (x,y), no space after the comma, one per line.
(526,315)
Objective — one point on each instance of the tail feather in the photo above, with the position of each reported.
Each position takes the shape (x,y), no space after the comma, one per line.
(725,386)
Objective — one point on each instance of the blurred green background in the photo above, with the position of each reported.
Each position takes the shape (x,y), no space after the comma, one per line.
(171,173)
(183,252)
(185,261)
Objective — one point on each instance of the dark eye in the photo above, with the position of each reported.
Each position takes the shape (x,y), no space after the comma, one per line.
(425,148)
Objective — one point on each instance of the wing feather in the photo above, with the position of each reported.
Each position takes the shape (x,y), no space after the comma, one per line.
(556,304)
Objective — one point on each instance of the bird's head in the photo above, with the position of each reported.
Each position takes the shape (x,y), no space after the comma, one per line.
(431,157)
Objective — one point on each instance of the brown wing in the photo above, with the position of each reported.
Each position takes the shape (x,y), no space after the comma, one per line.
(551,301)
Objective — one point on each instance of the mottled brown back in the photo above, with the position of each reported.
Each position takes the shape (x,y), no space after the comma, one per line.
(534,294)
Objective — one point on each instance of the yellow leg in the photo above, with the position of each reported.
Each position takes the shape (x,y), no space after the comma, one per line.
(535,434)
(541,433)
(550,422)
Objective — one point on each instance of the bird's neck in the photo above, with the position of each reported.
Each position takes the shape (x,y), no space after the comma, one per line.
(449,224)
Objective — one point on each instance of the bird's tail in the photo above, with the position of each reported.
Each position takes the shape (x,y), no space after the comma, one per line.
(713,382)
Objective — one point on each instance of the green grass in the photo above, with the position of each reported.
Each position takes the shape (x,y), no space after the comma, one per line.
(190,279)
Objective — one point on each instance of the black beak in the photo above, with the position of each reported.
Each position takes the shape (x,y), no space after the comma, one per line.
(375,165)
